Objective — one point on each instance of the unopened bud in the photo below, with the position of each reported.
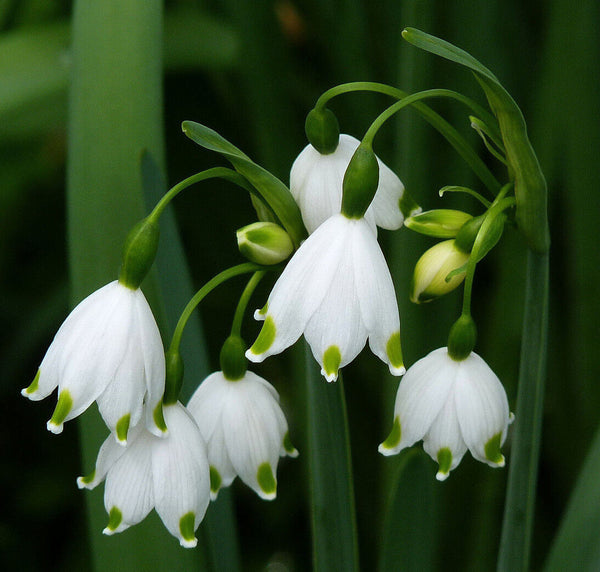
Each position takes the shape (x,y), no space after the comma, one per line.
(264,243)
(441,223)
(430,279)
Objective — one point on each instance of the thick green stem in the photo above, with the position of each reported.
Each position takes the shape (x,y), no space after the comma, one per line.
(515,546)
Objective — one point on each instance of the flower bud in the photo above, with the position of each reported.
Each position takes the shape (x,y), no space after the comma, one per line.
(441,223)
(322,130)
(232,358)
(264,243)
(462,337)
(432,269)
(360,182)
(139,252)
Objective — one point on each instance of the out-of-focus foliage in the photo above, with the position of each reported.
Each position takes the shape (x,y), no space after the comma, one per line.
(251,70)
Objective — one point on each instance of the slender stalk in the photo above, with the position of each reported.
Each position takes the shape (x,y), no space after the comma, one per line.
(515,545)
(236,327)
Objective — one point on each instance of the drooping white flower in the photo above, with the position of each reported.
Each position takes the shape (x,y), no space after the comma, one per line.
(108,350)
(245,430)
(169,474)
(452,406)
(338,291)
(316,184)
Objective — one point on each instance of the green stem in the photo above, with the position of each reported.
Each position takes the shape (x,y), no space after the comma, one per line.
(515,544)
(434,119)
(236,327)
(203,292)
(216,172)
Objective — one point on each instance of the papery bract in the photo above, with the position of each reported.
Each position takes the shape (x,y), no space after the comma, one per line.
(452,406)
(245,430)
(169,474)
(108,350)
(338,291)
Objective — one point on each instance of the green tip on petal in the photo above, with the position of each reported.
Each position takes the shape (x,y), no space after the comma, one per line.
(260,314)
(187,527)
(266,481)
(115,517)
(86,481)
(492,450)
(393,439)
(63,407)
(159,419)
(288,445)
(215,482)
(332,358)
(265,338)
(444,459)
(122,428)
(33,386)
(393,350)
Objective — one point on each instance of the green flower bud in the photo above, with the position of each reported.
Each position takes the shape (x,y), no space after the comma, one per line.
(232,358)
(173,376)
(264,243)
(462,338)
(468,233)
(432,269)
(139,252)
(360,182)
(322,130)
(441,223)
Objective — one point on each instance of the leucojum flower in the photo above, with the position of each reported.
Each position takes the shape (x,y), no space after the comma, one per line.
(109,350)
(169,474)
(245,429)
(452,405)
(337,288)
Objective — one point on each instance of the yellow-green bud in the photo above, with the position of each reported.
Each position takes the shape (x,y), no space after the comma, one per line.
(139,252)
(232,358)
(264,243)
(360,182)
(322,130)
(462,338)
(432,269)
(441,223)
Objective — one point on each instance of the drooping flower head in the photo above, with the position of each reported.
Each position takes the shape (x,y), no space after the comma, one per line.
(452,405)
(108,350)
(316,184)
(168,474)
(245,430)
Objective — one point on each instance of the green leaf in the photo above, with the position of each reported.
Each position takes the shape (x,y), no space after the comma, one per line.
(270,188)
(335,544)
(524,168)
(409,538)
(577,540)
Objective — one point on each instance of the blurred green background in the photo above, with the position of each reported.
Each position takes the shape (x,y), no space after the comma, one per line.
(252,70)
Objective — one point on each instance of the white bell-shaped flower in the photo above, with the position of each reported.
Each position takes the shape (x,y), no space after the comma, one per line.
(338,291)
(452,406)
(169,474)
(108,350)
(245,430)
(316,184)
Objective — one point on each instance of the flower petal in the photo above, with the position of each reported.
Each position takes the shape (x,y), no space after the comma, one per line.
(386,202)
(180,475)
(482,409)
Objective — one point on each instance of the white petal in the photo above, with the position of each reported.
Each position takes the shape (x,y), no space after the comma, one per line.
(444,441)
(336,329)
(129,483)
(154,361)
(180,475)
(482,407)
(377,297)
(386,203)
(302,286)
(421,395)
